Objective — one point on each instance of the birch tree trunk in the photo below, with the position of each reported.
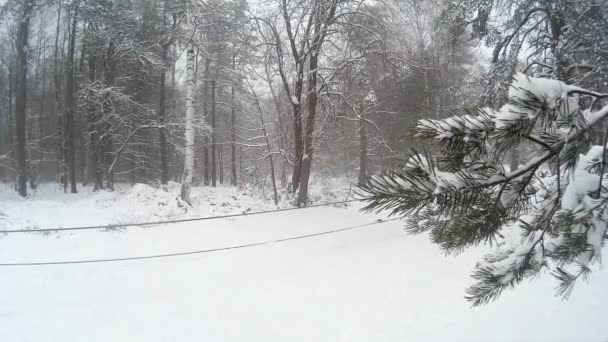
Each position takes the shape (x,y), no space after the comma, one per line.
(189,146)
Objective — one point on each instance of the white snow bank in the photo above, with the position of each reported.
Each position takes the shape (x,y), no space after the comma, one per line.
(372,284)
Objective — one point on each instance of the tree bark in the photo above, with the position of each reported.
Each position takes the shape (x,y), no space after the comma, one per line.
(213,135)
(59,105)
(268,145)
(323,15)
(297,144)
(94,126)
(306,162)
(233,129)
(69,101)
(20,101)
(164,165)
(206,171)
(189,147)
(11,134)
(220,162)
(362,149)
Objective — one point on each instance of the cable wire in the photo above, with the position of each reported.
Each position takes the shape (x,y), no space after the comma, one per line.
(170,255)
(156,223)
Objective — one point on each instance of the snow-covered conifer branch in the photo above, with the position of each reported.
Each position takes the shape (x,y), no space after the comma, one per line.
(550,208)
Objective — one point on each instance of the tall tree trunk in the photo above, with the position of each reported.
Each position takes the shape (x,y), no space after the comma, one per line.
(233,129)
(171,148)
(11,126)
(41,123)
(297,146)
(322,16)
(213,161)
(69,101)
(362,149)
(20,102)
(190,85)
(189,147)
(82,124)
(59,105)
(107,147)
(268,145)
(282,127)
(164,165)
(206,172)
(311,98)
(220,161)
(94,127)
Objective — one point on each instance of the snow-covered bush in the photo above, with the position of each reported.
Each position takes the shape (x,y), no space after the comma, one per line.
(549,213)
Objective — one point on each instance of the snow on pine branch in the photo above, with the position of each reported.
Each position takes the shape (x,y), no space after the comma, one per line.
(549,212)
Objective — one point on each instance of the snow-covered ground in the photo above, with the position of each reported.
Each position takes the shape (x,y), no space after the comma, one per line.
(370,284)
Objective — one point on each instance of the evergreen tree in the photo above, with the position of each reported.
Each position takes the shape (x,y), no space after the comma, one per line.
(551,212)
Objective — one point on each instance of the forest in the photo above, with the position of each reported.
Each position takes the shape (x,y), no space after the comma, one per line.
(94,92)
(475,122)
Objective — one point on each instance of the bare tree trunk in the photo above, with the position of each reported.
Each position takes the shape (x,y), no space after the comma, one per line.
(94,133)
(282,126)
(220,160)
(297,145)
(189,147)
(69,101)
(58,105)
(107,147)
(83,155)
(11,125)
(233,129)
(34,169)
(20,102)
(190,86)
(41,123)
(206,172)
(323,14)
(362,149)
(268,145)
(171,148)
(213,154)
(164,165)
(311,98)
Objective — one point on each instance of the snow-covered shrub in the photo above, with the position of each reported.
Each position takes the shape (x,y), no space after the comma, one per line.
(535,219)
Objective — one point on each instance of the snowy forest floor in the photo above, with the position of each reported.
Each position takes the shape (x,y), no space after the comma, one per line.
(371,284)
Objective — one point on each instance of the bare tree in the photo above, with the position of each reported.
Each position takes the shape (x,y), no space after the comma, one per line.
(26,12)
(69,102)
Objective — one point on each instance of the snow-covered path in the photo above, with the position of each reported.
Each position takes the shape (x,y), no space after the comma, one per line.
(370,284)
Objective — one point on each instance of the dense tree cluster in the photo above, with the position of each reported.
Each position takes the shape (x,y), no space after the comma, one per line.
(268,93)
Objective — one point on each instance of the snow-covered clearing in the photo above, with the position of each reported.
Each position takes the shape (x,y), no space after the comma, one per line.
(370,284)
